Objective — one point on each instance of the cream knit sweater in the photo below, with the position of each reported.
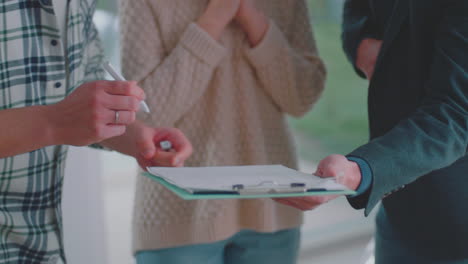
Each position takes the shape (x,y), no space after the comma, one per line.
(229,99)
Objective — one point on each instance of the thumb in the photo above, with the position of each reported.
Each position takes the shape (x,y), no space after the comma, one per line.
(323,169)
(145,144)
(330,166)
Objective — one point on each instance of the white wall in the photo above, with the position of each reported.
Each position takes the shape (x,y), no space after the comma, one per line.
(99,186)
(83,208)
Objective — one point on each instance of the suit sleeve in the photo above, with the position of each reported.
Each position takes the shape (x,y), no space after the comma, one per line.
(436,134)
(356,27)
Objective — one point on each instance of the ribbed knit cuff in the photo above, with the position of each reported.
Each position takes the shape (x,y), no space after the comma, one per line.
(202,45)
(273,41)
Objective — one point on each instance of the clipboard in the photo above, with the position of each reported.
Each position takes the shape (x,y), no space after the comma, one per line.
(258,185)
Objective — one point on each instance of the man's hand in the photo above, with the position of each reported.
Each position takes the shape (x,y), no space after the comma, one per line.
(217,16)
(142,142)
(346,172)
(254,22)
(367,54)
(88,114)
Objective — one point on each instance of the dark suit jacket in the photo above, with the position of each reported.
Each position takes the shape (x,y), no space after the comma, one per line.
(418,114)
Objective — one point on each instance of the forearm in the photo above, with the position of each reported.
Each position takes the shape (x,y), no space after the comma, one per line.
(212,24)
(175,77)
(293,76)
(24,130)
(285,58)
(255,24)
(180,80)
(126,143)
(217,16)
(432,138)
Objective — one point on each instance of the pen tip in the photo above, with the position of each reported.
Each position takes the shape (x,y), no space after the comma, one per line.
(145,107)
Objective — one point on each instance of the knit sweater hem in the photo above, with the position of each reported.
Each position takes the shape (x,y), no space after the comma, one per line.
(160,237)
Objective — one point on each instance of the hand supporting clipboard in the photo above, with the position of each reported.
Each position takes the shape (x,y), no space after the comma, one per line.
(239,182)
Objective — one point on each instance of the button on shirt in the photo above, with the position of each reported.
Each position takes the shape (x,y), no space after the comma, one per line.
(31,68)
(60,10)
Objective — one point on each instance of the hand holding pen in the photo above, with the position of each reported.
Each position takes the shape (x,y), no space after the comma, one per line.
(168,154)
(118,77)
(93,112)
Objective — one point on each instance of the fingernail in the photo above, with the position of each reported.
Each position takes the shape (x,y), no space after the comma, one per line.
(340,176)
(148,153)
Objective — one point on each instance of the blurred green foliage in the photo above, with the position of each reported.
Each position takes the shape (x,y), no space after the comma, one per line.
(338,123)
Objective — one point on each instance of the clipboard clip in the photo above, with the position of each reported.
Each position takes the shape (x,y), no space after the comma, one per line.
(269,187)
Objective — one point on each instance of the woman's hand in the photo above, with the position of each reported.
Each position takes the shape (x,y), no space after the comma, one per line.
(254,22)
(217,16)
(346,173)
(367,54)
(88,114)
(142,142)
(150,153)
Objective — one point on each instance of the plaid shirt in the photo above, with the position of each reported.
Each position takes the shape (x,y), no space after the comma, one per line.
(36,69)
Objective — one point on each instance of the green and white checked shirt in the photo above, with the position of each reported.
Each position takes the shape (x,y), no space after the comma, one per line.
(37,69)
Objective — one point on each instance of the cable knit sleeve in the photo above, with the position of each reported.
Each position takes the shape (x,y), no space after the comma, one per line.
(287,62)
(174,80)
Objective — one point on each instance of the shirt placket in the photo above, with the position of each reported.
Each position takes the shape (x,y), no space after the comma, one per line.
(54,48)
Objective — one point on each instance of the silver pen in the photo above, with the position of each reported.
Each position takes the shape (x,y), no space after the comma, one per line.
(108,68)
